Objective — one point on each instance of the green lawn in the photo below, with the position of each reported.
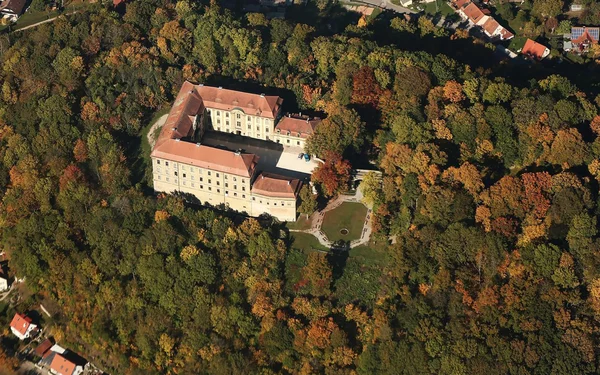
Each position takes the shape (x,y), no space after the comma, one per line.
(300,224)
(306,242)
(368,254)
(517,43)
(350,216)
(442,8)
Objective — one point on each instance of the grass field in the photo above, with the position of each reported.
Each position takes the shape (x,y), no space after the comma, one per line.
(442,8)
(306,242)
(368,254)
(300,224)
(350,216)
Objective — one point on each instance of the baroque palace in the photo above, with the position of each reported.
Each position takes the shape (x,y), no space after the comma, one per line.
(216,176)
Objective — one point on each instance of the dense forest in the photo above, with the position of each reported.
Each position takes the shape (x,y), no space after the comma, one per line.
(489,192)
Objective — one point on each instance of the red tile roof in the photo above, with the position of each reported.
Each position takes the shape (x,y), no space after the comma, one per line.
(179,125)
(276,186)
(15,6)
(490,26)
(251,104)
(20,323)
(43,348)
(460,3)
(301,126)
(586,34)
(62,366)
(534,49)
(473,13)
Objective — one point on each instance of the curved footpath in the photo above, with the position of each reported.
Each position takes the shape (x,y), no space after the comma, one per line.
(317,221)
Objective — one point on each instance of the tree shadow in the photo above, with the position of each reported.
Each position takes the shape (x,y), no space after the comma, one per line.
(338,257)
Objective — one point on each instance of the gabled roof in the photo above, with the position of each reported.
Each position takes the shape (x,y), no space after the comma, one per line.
(490,26)
(473,13)
(251,104)
(276,186)
(62,366)
(43,348)
(20,323)
(207,157)
(534,49)
(585,34)
(180,121)
(298,126)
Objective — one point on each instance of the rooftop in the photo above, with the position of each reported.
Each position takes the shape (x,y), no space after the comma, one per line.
(273,185)
(15,6)
(298,124)
(251,104)
(20,323)
(581,34)
(534,49)
(62,366)
(473,13)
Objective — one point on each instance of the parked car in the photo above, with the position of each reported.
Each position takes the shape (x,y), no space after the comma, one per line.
(300,155)
(306,158)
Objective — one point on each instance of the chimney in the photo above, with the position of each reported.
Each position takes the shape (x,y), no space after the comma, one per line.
(198,144)
(220,87)
(177,139)
(262,95)
(289,182)
(237,153)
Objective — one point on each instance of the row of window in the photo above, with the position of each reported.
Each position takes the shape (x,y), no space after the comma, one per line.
(198,170)
(237,116)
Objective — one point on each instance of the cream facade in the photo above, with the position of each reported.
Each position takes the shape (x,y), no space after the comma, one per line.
(215,188)
(238,122)
(214,176)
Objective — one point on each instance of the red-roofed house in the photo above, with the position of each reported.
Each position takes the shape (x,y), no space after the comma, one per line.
(22,327)
(535,50)
(476,17)
(293,130)
(62,366)
(219,176)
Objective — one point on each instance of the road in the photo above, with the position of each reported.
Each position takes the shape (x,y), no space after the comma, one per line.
(387,4)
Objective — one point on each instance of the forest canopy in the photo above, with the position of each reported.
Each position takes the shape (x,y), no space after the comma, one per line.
(486,213)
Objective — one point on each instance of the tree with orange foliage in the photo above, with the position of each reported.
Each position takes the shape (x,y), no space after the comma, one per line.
(453,92)
(365,88)
(334,175)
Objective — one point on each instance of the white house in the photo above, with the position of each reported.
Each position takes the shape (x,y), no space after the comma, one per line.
(12,9)
(22,327)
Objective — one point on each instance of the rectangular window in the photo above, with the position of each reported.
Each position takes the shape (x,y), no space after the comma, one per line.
(218,121)
(266,130)
(235,194)
(239,124)
(201,179)
(249,127)
(218,183)
(298,143)
(226,192)
(217,175)
(235,187)
(258,128)
(201,186)
(238,115)
(234,179)
(226,184)
(227,123)
(219,129)
(225,177)
(282,204)
(261,202)
(218,113)
(184,175)
(243,181)
(218,190)
(209,181)
(167,163)
(209,188)
(243,188)
(157,161)
(175,173)
(209,173)
(249,118)
(274,203)
(288,141)
(227,114)
(244,196)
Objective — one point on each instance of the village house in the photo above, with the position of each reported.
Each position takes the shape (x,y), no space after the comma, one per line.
(216,176)
(535,50)
(62,366)
(22,327)
(4,279)
(581,38)
(480,18)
